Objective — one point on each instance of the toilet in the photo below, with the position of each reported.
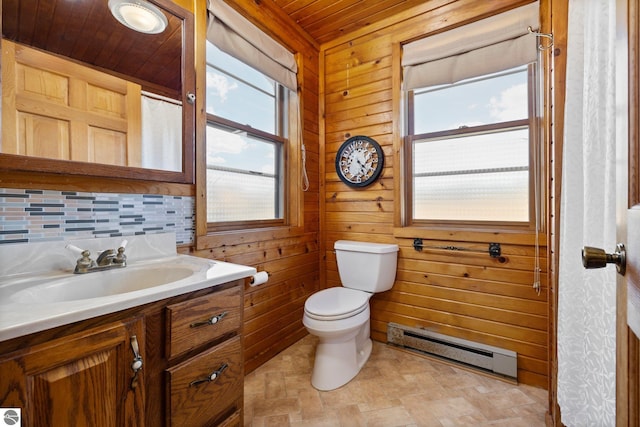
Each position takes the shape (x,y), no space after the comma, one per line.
(339,316)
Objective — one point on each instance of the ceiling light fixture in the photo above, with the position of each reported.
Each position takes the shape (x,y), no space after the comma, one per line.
(139,15)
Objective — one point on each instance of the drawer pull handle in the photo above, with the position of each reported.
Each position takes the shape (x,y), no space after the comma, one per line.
(210,321)
(212,376)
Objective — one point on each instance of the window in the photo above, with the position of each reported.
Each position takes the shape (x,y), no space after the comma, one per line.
(471,150)
(246,144)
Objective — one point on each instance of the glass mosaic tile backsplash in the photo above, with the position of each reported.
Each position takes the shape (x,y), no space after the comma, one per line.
(46,215)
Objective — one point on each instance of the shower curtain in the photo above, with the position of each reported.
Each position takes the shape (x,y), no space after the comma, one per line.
(587,298)
(161,135)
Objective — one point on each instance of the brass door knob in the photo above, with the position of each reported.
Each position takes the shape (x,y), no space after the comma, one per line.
(598,258)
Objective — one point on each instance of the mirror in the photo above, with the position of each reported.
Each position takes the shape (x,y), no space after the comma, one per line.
(82,38)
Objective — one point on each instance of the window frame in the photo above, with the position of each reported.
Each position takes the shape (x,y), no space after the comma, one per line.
(280,139)
(535,156)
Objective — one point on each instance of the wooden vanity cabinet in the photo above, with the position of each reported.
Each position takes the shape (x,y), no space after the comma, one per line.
(205,372)
(204,387)
(83,379)
(80,374)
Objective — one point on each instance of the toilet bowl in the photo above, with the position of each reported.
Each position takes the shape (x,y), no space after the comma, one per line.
(344,345)
(340,316)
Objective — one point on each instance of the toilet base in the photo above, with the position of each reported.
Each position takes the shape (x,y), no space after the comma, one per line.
(337,363)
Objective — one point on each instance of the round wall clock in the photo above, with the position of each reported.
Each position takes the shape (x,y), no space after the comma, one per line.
(359,161)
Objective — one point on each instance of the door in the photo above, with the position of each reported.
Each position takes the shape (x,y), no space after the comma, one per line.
(53,108)
(628,329)
(628,292)
(628,221)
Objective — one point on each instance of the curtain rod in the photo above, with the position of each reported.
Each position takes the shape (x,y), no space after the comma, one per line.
(545,35)
(160,97)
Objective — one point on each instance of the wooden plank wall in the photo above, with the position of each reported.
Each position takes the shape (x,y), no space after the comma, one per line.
(558,11)
(273,311)
(459,293)
(348,89)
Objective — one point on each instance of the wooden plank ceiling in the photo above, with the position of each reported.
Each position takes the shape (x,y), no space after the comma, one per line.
(326,20)
(87,32)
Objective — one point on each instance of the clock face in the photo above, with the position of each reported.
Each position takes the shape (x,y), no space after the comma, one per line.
(359,161)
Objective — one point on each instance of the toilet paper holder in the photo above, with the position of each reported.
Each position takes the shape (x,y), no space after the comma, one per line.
(259,278)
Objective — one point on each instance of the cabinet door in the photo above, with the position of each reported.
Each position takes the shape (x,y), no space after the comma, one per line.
(81,380)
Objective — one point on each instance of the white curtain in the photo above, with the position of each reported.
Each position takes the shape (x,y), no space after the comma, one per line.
(587,298)
(236,35)
(493,44)
(161,135)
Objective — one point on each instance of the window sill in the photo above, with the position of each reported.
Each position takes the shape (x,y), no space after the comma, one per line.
(238,237)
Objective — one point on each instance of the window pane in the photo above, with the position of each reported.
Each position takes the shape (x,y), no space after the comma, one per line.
(239,197)
(472,178)
(239,93)
(233,149)
(242,71)
(472,102)
(243,177)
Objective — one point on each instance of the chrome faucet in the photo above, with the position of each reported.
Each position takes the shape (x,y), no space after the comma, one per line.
(106,260)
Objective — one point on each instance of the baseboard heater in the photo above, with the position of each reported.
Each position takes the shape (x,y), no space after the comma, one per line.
(492,359)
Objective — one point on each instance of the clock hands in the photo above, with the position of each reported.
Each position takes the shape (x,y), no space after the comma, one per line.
(359,161)
(366,164)
(356,161)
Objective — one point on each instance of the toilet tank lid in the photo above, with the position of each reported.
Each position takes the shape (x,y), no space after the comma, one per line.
(374,248)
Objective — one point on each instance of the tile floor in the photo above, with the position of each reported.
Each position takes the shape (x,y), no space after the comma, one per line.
(395,388)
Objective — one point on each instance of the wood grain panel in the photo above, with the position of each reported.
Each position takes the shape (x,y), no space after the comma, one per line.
(69,29)
(325,20)
(460,292)
(290,255)
(555,20)
(186,321)
(67,111)
(191,404)
(272,313)
(349,87)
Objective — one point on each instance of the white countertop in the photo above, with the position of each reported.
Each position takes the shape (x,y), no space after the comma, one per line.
(22,312)
(21,318)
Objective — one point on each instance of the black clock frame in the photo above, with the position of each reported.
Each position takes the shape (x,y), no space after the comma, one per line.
(379,165)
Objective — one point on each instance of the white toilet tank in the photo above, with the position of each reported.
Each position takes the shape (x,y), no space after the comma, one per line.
(369,267)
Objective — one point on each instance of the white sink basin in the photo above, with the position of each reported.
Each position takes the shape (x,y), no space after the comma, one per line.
(102,284)
(39,291)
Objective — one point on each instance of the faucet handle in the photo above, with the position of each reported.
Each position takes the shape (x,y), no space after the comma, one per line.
(85,260)
(120,258)
(84,263)
(76,250)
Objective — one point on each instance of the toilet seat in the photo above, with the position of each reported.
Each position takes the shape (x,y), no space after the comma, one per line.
(336,303)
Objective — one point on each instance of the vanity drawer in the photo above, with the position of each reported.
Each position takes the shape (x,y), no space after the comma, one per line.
(200,320)
(194,401)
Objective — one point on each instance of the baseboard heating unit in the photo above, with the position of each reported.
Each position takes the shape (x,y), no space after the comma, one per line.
(497,360)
